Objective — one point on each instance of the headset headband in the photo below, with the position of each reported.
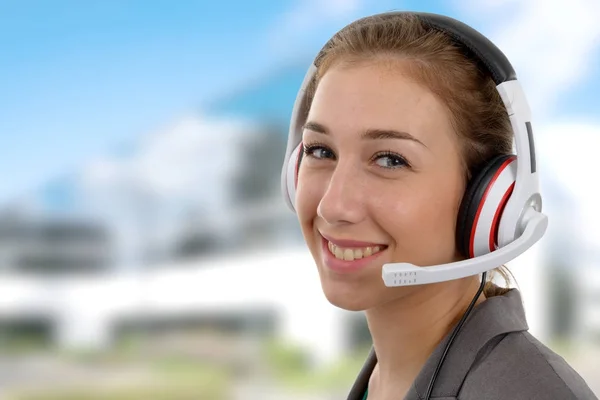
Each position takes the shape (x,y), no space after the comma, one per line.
(476,46)
(479,47)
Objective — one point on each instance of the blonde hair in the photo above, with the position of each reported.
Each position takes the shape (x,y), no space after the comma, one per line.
(476,110)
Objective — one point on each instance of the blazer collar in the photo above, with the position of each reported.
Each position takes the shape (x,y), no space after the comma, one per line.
(496,316)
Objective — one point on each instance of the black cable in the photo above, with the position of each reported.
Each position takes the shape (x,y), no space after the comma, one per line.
(454,333)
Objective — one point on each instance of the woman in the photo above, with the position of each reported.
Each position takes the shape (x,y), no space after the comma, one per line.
(397,122)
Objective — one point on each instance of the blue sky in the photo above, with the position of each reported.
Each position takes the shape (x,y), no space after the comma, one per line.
(78,79)
(81,77)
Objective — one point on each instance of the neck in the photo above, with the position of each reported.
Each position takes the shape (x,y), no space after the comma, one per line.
(406,331)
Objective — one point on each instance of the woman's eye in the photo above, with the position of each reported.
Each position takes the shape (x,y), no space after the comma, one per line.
(318,152)
(387,160)
(390,161)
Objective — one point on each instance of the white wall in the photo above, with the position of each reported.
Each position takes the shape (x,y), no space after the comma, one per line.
(286,281)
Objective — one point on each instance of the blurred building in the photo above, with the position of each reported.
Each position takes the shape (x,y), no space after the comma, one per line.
(195,234)
(53,245)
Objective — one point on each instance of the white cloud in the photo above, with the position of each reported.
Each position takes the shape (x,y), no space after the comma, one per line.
(189,159)
(307,17)
(570,152)
(308,14)
(549,42)
(568,157)
(185,165)
(194,150)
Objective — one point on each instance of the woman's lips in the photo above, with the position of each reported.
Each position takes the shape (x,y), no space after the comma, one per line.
(367,254)
(350,243)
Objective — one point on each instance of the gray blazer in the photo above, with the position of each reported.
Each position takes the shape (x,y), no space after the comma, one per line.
(493,357)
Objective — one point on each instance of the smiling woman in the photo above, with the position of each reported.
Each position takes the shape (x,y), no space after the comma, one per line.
(404,142)
(387,192)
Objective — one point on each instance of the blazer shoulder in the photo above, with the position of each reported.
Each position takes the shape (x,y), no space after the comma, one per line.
(518,366)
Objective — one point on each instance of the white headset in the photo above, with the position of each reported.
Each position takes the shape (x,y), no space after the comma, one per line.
(500,215)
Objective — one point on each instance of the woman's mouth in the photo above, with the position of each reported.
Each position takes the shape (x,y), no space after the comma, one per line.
(354,253)
(349,258)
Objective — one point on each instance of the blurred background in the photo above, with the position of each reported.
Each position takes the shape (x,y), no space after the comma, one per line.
(145,249)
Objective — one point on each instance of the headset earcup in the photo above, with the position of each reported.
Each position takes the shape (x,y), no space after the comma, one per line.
(482,205)
(292,174)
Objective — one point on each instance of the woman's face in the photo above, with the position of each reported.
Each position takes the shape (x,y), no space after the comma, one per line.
(380,181)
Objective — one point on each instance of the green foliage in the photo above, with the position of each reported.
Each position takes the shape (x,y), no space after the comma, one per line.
(281,365)
(175,379)
(165,392)
(291,368)
(22,344)
(285,358)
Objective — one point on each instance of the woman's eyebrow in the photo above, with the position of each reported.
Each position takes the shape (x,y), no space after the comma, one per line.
(389,134)
(373,134)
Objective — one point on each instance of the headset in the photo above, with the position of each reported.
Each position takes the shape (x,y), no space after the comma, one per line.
(500,216)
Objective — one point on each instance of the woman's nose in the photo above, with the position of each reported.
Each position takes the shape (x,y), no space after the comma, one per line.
(344,198)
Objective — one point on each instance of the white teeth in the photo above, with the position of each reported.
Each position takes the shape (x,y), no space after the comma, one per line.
(352,254)
(348,255)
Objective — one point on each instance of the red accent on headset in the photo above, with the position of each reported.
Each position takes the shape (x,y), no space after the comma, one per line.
(499,211)
(482,202)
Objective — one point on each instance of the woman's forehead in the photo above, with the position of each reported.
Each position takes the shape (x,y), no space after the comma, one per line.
(369,97)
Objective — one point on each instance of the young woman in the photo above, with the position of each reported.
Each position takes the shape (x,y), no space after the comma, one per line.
(394,123)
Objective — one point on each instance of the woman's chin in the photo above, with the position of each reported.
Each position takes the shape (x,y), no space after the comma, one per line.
(346,298)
